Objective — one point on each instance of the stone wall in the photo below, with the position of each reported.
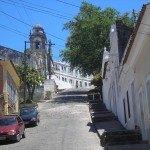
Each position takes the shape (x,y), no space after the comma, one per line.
(9,54)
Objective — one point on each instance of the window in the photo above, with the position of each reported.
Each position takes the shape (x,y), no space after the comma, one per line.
(134,103)
(70,81)
(37,45)
(128,105)
(11,89)
(85,83)
(80,83)
(142,113)
(76,73)
(56,67)
(76,84)
(117,89)
(148,94)
(70,71)
(63,68)
(124,106)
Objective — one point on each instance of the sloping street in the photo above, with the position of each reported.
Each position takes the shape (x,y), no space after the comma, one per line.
(64,125)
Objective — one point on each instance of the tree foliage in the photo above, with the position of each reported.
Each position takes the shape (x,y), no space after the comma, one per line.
(89,34)
(33,79)
(97,80)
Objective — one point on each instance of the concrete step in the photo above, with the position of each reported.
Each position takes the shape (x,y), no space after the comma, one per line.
(129,147)
(95,102)
(96,106)
(99,112)
(103,117)
(120,137)
(97,109)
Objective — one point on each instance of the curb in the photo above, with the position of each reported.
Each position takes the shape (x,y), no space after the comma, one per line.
(94,127)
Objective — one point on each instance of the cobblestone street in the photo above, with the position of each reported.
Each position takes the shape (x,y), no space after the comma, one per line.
(65,124)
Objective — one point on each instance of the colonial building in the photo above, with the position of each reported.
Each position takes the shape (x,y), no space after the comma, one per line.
(129,91)
(119,36)
(74,77)
(135,70)
(9,86)
(37,53)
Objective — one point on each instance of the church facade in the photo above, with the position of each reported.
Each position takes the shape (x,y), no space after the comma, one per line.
(38,50)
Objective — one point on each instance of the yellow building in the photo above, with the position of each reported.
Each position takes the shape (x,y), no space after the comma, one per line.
(9,87)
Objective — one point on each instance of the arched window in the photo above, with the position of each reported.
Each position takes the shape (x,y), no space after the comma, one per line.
(37,46)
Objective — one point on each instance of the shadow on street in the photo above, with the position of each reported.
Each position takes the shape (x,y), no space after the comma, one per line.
(70,99)
(91,129)
(71,96)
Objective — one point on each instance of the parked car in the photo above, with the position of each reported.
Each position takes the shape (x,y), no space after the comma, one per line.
(30,115)
(12,128)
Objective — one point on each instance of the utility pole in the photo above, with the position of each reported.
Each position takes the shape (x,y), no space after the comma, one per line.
(25,70)
(50,58)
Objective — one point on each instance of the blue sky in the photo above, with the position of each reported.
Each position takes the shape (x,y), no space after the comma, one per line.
(19,16)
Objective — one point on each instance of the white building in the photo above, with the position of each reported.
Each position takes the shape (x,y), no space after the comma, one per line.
(133,80)
(119,35)
(73,77)
(105,78)
(135,77)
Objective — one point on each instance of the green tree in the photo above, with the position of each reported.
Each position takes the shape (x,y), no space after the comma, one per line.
(89,34)
(97,80)
(33,79)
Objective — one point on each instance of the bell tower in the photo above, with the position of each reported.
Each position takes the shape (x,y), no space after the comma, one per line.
(37,50)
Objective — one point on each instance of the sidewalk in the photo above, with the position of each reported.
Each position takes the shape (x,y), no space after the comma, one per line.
(102,127)
(112,135)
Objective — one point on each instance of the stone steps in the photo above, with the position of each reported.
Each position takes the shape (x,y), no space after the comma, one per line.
(108,135)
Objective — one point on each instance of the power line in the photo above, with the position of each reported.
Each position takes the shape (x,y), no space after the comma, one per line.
(46,7)
(40,10)
(68,3)
(29,24)
(13,30)
(16,8)
(15,18)
(27,14)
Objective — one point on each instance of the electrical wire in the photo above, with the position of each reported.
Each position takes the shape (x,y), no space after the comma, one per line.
(40,10)
(68,3)
(17,11)
(27,14)
(47,8)
(29,25)
(13,30)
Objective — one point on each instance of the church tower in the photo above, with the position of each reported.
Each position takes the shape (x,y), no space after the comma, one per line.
(37,50)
